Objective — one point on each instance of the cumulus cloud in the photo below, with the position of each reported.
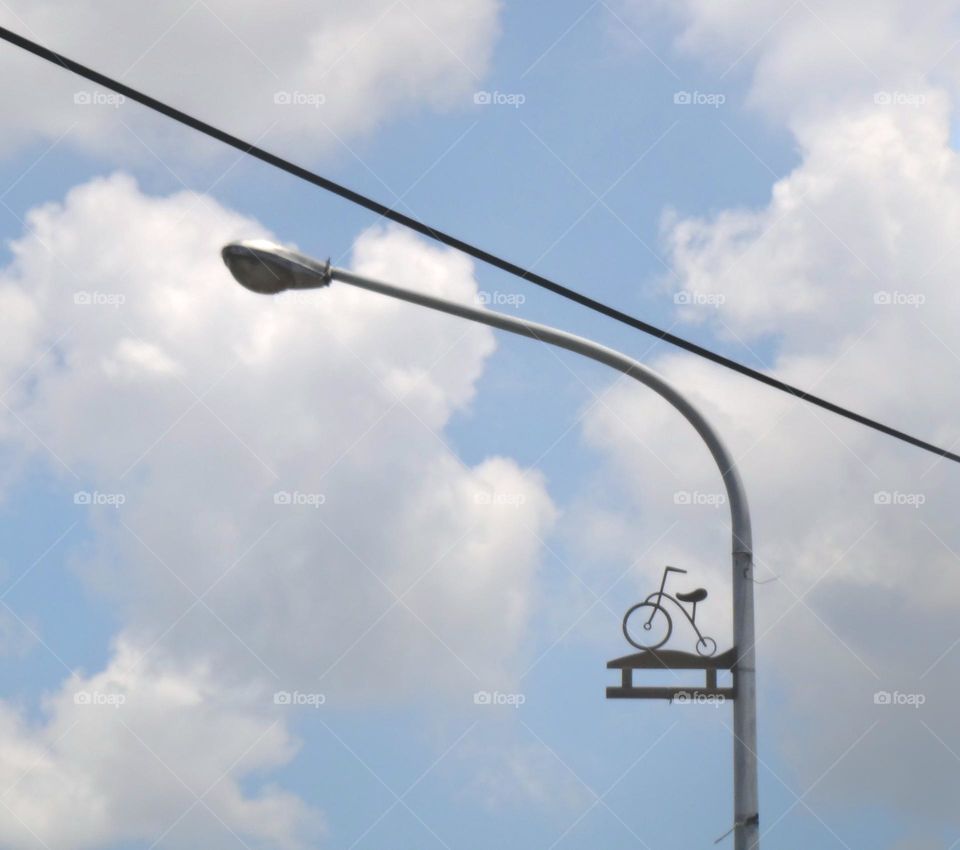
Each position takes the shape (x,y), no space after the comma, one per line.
(270,489)
(807,59)
(143,751)
(255,444)
(842,283)
(304,73)
(863,225)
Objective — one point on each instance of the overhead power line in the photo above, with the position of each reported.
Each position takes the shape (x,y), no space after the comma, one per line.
(453,242)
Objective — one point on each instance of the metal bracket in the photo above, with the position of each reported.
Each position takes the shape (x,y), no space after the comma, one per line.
(670,659)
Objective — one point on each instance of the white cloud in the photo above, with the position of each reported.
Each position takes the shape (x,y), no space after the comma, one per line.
(811,58)
(139,751)
(843,284)
(292,517)
(303,73)
(869,217)
(202,403)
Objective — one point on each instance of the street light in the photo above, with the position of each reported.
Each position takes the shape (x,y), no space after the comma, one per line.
(267,268)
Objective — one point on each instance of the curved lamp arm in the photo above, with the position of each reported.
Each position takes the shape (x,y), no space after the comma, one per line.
(736,495)
(267,268)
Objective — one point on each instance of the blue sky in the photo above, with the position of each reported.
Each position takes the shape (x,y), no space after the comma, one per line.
(598,179)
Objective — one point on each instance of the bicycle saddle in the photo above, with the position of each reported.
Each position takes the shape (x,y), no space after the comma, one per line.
(697,595)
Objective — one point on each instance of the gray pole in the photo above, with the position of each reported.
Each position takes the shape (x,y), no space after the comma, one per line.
(266,268)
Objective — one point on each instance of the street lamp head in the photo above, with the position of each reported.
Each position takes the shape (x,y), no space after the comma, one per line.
(265,267)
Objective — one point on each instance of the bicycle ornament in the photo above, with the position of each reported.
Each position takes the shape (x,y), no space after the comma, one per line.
(648,624)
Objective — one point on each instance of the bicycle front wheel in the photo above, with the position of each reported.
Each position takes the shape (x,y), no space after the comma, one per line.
(647,626)
(706,646)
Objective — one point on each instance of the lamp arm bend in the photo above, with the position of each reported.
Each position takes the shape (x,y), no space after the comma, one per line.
(736,496)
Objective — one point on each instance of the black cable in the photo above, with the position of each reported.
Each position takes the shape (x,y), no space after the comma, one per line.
(454,242)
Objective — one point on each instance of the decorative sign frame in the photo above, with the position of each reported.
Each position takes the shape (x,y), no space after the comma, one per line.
(671,659)
(647,626)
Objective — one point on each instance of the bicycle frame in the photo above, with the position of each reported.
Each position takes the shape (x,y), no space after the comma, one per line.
(657,596)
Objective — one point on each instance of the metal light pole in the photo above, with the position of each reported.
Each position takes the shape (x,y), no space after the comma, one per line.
(267,268)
